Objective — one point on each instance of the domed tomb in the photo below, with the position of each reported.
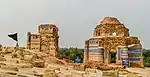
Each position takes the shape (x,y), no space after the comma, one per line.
(110,20)
(110,26)
(110,39)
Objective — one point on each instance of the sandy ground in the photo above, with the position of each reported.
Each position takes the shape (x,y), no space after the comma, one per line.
(145,72)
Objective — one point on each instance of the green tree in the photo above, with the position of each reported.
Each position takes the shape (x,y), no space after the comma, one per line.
(146,54)
(70,53)
(73,52)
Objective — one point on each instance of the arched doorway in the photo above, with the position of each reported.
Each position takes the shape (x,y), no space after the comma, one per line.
(112,57)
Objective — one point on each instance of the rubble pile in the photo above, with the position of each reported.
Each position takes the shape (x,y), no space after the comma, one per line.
(6,50)
(49,73)
(27,63)
(68,61)
(80,67)
(27,55)
(22,56)
(2,58)
(99,65)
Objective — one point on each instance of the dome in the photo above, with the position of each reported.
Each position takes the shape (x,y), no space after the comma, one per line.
(110,20)
(46,25)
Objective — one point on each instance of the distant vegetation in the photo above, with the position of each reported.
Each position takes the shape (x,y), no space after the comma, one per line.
(70,53)
(146,54)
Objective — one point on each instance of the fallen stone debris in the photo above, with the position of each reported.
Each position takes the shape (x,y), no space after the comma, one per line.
(27,63)
(99,65)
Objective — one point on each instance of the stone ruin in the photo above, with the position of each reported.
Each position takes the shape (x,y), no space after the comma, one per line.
(45,41)
(109,37)
(41,49)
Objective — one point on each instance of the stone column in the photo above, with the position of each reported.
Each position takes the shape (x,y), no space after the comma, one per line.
(107,56)
(86,52)
(142,61)
(29,40)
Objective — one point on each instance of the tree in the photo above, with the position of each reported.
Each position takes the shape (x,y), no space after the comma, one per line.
(70,53)
(146,54)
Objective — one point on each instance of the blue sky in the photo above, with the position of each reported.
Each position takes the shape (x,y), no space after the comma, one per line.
(76,19)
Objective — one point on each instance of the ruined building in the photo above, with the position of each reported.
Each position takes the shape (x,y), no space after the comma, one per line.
(45,41)
(112,43)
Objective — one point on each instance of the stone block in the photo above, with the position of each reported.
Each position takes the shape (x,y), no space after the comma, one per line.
(3,64)
(10,68)
(133,75)
(38,75)
(11,73)
(110,73)
(2,58)
(24,65)
(90,70)
(9,50)
(49,73)
(28,57)
(68,75)
(38,63)
(77,73)
(79,67)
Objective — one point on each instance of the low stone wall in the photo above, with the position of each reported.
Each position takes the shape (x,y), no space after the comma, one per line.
(111,73)
(77,73)
(133,75)
(38,63)
(9,68)
(79,67)
(135,64)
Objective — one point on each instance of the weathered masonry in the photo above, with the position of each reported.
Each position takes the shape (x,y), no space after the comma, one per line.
(112,43)
(45,41)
